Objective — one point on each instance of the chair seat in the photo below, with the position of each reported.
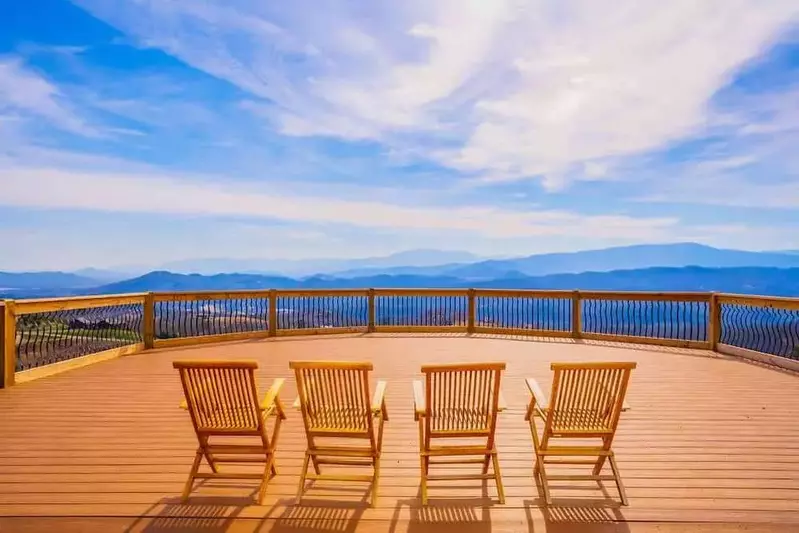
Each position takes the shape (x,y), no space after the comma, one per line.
(460,419)
(350,418)
(580,420)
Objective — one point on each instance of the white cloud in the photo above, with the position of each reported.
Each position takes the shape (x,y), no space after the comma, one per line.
(131,193)
(504,89)
(24,91)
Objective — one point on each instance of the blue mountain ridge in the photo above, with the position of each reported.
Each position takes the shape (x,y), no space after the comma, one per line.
(743,280)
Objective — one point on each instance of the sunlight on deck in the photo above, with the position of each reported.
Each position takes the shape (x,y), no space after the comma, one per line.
(708,438)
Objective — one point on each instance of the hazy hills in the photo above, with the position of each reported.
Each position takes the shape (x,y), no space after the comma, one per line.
(604,260)
(308,267)
(682,266)
(750,280)
(44,280)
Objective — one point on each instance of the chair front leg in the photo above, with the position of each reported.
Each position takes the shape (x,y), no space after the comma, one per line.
(198,457)
(424,461)
(301,487)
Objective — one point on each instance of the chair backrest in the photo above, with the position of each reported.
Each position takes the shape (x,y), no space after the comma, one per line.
(587,398)
(221,396)
(462,399)
(334,395)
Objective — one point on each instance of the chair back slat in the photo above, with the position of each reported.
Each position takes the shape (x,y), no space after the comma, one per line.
(221,396)
(462,398)
(334,396)
(587,398)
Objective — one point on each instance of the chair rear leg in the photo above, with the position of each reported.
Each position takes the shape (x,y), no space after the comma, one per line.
(198,457)
(301,487)
(601,461)
(542,473)
(619,484)
(425,466)
(208,456)
(498,478)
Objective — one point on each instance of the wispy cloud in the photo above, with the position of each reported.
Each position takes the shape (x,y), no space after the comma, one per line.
(28,93)
(505,89)
(119,192)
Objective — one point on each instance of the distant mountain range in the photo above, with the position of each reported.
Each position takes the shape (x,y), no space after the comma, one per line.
(604,260)
(308,267)
(44,280)
(745,280)
(683,266)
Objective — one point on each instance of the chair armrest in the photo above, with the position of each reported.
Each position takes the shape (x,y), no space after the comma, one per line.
(184,405)
(419,408)
(272,394)
(296,404)
(538,395)
(379,397)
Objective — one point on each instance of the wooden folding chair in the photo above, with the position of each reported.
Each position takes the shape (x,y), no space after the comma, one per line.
(459,401)
(222,399)
(334,400)
(587,400)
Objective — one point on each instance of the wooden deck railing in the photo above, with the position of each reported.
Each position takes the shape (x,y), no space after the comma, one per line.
(44,336)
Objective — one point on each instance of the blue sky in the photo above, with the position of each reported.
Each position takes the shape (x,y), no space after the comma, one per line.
(142,132)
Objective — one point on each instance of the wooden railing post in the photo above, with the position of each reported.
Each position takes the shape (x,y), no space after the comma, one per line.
(8,349)
(148,329)
(272,313)
(472,310)
(370,304)
(714,322)
(577,315)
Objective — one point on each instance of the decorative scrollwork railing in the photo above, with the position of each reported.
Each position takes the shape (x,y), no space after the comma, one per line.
(399,310)
(50,332)
(186,315)
(668,318)
(760,324)
(302,311)
(524,312)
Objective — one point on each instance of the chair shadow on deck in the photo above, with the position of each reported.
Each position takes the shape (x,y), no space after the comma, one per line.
(444,515)
(206,514)
(570,514)
(214,514)
(315,516)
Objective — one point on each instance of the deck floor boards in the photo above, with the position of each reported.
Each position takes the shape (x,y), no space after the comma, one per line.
(709,440)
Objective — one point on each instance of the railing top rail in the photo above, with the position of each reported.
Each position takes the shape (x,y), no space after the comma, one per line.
(646,296)
(417,292)
(28,306)
(525,293)
(323,292)
(43,305)
(782,302)
(188,296)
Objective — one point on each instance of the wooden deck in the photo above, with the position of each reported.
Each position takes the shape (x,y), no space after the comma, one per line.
(710,441)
